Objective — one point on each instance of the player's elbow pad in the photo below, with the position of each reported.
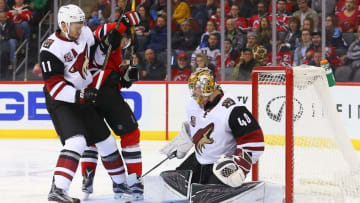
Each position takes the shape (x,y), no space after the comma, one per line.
(182,143)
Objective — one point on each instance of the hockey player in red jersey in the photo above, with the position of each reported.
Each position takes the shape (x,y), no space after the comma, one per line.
(283,54)
(111,105)
(64,59)
(226,137)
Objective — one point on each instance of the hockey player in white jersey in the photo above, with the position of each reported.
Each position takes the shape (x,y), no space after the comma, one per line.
(64,59)
(227,138)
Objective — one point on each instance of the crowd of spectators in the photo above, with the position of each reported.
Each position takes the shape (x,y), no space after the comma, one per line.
(195,34)
(248,36)
(18,21)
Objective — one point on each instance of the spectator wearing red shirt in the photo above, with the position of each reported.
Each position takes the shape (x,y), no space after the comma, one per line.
(240,22)
(348,19)
(20,14)
(254,21)
(181,71)
(340,6)
(282,16)
(330,52)
(216,18)
(283,54)
(232,58)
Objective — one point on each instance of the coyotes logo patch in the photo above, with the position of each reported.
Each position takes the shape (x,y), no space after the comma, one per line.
(81,63)
(202,137)
(228,102)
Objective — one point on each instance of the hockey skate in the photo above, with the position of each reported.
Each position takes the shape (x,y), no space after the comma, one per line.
(137,190)
(87,183)
(59,195)
(122,191)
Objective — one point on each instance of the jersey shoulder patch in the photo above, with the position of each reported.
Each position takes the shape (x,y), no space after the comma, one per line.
(48,43)
(228,102)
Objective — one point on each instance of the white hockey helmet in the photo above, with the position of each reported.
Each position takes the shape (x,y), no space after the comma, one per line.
(70,14)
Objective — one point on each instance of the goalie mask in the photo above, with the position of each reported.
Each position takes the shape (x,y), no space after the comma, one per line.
(202,84)
(70,14)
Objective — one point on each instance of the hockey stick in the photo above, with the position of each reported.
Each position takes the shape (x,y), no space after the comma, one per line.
(172,155)
(132,31)
(108,52)
(132,178)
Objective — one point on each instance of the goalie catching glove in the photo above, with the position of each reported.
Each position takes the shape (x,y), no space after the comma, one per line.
(232,170)
(182,143)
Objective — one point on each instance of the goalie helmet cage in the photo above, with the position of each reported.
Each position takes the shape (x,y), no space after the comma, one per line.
(306,146)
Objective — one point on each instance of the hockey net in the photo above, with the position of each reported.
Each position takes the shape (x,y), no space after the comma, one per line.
(306,146)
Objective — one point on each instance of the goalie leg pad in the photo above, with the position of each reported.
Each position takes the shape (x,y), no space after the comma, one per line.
(250,192)
(179,181)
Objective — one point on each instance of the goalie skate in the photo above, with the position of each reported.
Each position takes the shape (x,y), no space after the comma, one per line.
(59,195)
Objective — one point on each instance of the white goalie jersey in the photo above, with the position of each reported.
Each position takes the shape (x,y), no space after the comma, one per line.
(223,129)
(65,63)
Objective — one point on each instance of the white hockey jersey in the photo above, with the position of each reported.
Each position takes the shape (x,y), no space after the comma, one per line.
(223,129)
(64,64)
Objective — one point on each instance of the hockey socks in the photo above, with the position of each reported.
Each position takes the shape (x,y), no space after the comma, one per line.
(89,161)
(111,159)
(131,152)
(68,161)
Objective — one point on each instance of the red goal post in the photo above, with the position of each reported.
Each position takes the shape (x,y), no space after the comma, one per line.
(289,124)
(307,149)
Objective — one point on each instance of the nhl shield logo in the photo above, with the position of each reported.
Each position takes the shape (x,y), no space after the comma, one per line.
(192,121)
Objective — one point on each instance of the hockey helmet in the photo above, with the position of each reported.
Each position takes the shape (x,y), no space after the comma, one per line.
(70,14)
(204,81)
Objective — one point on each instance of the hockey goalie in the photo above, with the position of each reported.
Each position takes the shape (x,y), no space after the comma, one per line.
(227,141)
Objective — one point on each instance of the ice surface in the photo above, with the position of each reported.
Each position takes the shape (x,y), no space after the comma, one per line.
(26,168)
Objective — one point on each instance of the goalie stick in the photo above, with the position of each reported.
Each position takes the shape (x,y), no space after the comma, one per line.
(172,155)
(108,52)
(132,178)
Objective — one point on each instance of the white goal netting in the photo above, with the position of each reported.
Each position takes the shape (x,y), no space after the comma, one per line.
(325,165)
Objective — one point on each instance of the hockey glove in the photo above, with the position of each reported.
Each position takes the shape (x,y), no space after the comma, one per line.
(113,38)
(130,18)
(131,74)
(232,170)
(182,143)
(86,96)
